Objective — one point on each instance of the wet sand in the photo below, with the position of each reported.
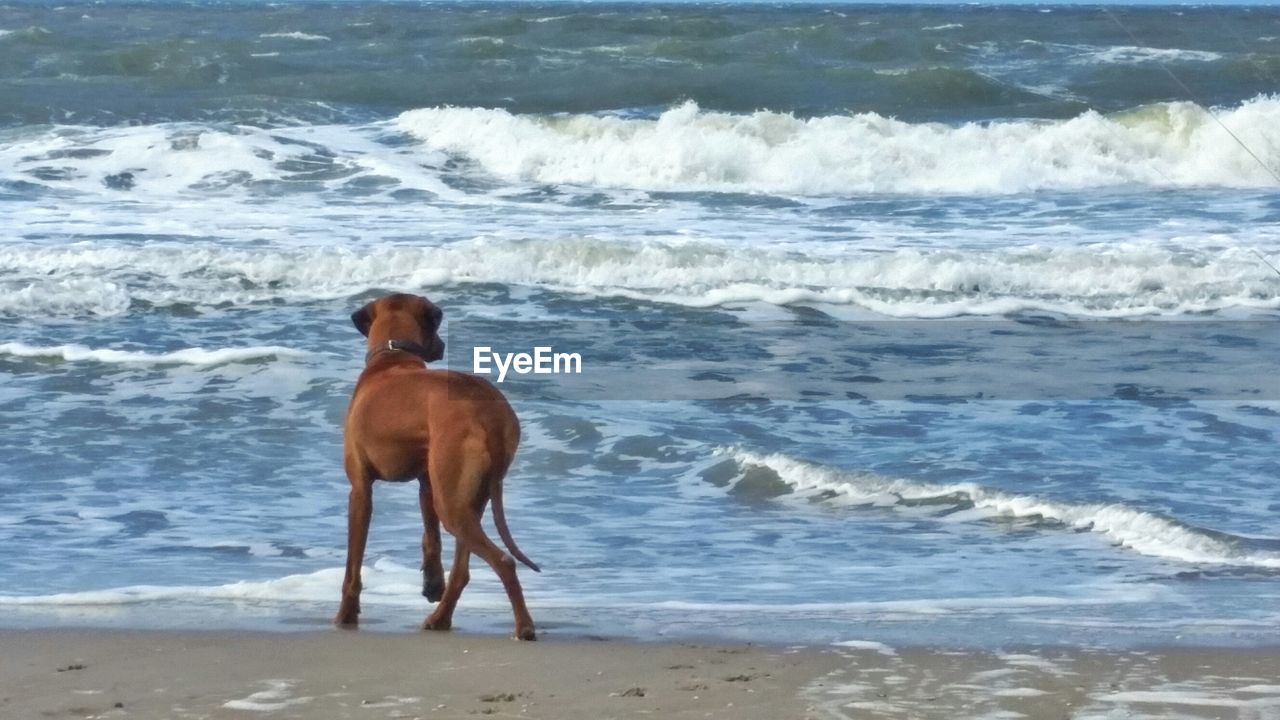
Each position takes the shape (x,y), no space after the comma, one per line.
(321,675)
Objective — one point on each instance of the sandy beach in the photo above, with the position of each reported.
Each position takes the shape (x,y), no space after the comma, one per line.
(322,675)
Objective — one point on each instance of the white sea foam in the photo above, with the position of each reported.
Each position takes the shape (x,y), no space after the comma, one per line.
(1144,532)
(1193,698)
(275,697)
(866,645)
(932,606)
(1115,280)
(687,148)
(188,356)
(295,35)
(155,158)
(171,159)
(1133,54)
(386,583)
(392,585)
(1020,692)
(1036,662)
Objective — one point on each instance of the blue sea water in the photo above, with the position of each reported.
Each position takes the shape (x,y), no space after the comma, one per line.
(916,324)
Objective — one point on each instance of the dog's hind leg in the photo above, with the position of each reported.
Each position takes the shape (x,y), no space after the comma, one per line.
(505,566)
(467,474)
(359,512)
(432,569)
(459,576)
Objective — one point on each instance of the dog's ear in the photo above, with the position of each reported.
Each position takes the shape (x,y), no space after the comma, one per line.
(432,316)
(363,318)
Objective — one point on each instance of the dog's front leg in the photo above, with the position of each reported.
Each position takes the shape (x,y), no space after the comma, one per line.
(359,512)
(432,568)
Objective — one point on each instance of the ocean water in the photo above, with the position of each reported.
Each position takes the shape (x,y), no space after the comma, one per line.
(898,324)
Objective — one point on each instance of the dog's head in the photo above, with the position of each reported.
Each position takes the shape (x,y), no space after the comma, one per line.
(402,317)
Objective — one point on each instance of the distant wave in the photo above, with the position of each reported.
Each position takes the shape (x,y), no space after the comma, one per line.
(1112,280)
(690,149)
(189,356)
(350,61)
(1138,530)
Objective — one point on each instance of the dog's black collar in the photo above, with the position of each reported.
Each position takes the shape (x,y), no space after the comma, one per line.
(408,346)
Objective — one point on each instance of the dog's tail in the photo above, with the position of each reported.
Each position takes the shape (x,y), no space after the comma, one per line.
(500,522)
(501,456)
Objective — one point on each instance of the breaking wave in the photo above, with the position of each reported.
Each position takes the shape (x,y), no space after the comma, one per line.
(684,149)
(1173,145)
(1144,532)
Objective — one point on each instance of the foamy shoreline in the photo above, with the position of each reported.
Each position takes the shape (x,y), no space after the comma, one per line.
(335,674)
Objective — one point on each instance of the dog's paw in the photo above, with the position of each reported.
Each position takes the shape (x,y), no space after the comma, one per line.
(348,616)
(434,623)
(526,634)
(433,590)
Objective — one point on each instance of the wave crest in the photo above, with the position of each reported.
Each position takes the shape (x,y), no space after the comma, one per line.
(1138,530)
(689,149)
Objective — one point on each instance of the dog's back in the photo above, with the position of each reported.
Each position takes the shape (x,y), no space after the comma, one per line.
(398,408)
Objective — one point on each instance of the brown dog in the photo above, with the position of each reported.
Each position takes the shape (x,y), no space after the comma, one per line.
(454,433)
